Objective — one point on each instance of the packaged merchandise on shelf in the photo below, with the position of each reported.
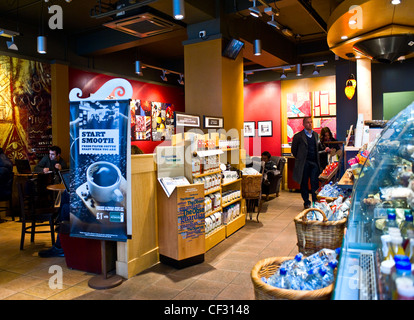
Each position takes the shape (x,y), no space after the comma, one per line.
(229,176)
(212,222)
(229,144)
(230,195)
(231,212)
(306,273)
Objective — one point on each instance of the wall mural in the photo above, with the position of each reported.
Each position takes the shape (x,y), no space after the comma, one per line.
(25,108)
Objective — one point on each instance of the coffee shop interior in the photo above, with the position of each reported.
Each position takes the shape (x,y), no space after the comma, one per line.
(240,64)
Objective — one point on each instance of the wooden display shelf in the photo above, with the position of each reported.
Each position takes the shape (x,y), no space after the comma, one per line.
(330,176)
(231,182)
(200,175)
(215,237)
(235,224)
(231,202)
(213,212)
(212,191)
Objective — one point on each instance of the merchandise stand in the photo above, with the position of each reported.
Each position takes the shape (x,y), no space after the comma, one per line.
(224,155)
(181,225)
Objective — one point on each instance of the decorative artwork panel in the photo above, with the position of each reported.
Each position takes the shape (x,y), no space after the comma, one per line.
(298,105)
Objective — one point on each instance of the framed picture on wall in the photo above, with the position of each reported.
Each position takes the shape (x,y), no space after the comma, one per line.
(213,122)
(264,128)
(187,120)
(249,128)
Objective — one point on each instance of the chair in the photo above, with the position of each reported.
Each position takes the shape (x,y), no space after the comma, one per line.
(35,212)
(7,195)
(276,179)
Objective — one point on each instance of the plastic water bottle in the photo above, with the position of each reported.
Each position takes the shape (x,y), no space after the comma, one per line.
(282,281)
(391,221)
(403,270)
(297,268)
(320,258)
(329,275)
(407,227)
(313,281)
(287,264)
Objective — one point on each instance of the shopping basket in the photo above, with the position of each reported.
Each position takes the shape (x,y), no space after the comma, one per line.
(315,235)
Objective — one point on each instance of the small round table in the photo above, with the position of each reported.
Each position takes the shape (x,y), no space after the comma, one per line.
(60,187)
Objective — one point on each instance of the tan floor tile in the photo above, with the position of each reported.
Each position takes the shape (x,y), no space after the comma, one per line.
(236,292)
(22,296)
(71,293)
(21,283)
(207,287)
(43,290)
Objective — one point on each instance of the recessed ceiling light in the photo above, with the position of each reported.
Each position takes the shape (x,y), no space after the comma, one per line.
(344,37)
(351,22)
(394,2)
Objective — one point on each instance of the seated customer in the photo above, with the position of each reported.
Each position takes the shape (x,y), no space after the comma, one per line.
(52,163)
(269,171)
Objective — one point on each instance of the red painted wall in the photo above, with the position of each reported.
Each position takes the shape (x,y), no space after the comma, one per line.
(89,82)
(262,103)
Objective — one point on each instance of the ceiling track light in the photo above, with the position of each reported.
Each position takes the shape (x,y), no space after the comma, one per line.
(181,80)
(274,23)
(164,75)
(283,75)
(255,11)
(11,45)
(178,9)
(41,44)
(257,47)
(315,71)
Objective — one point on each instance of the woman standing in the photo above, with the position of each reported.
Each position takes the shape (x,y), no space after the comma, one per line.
(326,148)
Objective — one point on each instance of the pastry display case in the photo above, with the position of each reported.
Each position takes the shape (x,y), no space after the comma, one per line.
(386,181)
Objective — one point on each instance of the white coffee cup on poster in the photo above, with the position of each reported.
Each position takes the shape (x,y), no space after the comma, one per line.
(104,180)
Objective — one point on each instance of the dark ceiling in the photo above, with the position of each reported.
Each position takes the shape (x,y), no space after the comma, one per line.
(84,35)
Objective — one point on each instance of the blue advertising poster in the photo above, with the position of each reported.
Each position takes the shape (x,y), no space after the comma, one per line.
(98,159)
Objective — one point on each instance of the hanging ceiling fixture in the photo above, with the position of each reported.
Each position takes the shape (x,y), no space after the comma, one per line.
(138,68)
(41,44)
(350,87)
(178,9)
(257,47)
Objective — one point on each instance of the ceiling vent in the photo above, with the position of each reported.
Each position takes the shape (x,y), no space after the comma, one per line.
(387,49)
(143,25)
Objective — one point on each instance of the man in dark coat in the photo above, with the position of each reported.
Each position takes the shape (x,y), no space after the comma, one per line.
(307,164)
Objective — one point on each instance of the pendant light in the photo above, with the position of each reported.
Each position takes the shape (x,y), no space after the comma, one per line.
(257,47)
(350,87)
(178,9)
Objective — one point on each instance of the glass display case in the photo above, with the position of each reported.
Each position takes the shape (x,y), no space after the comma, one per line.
(385,181)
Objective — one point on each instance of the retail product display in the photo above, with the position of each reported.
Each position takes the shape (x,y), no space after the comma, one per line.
(332,190)
(204,156)
(334,211)
(306,273)
(380,226)
(330,168)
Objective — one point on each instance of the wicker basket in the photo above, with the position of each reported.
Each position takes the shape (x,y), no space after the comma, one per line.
(252,186)
(264,291)
(316,235)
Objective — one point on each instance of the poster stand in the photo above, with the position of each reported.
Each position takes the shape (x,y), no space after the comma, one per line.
(104,280)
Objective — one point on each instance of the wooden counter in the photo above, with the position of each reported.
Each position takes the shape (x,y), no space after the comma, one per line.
(141,251)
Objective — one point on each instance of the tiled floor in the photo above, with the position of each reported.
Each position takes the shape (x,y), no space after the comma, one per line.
(225,273)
